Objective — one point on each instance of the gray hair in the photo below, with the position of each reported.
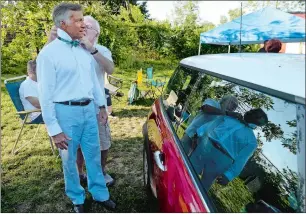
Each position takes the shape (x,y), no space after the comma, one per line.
(96,23)
(31,66)
(90,18)
(229,103)
(62,12)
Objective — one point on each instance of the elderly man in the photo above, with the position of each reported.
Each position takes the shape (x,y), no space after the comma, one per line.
(68,87)
(104,65)
(28,91)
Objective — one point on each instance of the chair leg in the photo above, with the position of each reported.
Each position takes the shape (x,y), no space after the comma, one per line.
(51,145)
(30,140)
(36,132)
(23,123)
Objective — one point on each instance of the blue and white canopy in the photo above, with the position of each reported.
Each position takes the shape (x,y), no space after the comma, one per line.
(257,27)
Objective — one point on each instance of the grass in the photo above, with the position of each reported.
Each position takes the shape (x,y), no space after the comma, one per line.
(32,180)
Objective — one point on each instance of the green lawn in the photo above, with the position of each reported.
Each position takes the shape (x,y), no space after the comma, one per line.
(32,180)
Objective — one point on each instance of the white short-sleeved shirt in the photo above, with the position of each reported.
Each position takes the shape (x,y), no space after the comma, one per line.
(29,88)
(101,74)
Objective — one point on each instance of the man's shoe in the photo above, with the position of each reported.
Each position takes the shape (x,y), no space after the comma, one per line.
(109,204)
(109,180)
(79,208)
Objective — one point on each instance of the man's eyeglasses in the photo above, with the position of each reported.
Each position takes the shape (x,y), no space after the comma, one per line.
(90,28)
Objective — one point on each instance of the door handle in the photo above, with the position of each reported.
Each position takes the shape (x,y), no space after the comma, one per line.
(158,156)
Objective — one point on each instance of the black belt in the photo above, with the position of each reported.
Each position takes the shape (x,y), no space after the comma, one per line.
(75,103)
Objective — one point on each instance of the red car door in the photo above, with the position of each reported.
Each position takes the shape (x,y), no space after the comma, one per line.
(176,189)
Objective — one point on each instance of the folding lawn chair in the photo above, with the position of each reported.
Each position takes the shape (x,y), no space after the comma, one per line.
(114,84)
(158,84)
(12,85)
(133,93)
(144,87)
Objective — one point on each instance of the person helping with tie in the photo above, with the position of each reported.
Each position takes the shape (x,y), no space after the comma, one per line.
(68,92)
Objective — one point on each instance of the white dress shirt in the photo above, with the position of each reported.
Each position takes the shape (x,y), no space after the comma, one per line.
(65,73)
(28,88)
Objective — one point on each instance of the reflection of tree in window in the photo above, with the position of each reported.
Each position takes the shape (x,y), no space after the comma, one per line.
(290,142)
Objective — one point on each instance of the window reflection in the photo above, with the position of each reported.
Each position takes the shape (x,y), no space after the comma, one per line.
(244,145)
(180,85)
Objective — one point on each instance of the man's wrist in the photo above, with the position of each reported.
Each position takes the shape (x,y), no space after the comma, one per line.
(94,51)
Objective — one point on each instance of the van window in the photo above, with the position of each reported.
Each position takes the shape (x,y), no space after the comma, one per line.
(247,148)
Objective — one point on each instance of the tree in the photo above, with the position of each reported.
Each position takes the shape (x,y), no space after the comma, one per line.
(223,20)
(144,10)
(235,13)
(115,5)
(185,13)
(286,6)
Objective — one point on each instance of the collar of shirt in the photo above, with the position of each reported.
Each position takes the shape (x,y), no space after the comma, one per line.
(63,35)
(32,81)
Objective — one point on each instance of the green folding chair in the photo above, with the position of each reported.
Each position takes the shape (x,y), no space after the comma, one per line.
(12,85)
(157,84)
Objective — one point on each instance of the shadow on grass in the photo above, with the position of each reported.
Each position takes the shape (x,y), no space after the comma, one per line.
(144,102)
(32,181)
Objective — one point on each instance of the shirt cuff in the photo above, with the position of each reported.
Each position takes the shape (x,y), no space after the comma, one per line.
(54,129)
(229,175)
(101,102)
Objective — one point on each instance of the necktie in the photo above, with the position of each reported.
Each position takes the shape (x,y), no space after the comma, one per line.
(73,43)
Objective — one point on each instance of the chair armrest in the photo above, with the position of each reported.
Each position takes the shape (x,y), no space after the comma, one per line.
(28,112)
(14,78)
(115,81)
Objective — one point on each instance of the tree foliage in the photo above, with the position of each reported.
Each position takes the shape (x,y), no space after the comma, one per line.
(286,6)
(125,29)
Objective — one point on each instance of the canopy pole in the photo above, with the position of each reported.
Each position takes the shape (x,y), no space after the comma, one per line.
(229,48)
(199,52)
(240,27)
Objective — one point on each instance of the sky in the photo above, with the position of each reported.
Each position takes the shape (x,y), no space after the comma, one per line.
(209,10)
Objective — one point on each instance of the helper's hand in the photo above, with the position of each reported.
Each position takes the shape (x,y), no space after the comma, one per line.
(86,44)
(103,116)
(222,180)
(52,34)
(60,141)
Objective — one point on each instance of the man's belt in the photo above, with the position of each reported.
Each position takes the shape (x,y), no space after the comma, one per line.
(75,103)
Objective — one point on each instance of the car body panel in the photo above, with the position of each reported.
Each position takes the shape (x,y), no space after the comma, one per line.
(175,189)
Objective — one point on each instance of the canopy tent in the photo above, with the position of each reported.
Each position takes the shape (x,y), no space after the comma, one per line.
(257,27)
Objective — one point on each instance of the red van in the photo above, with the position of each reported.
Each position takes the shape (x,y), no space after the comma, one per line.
(232,160)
